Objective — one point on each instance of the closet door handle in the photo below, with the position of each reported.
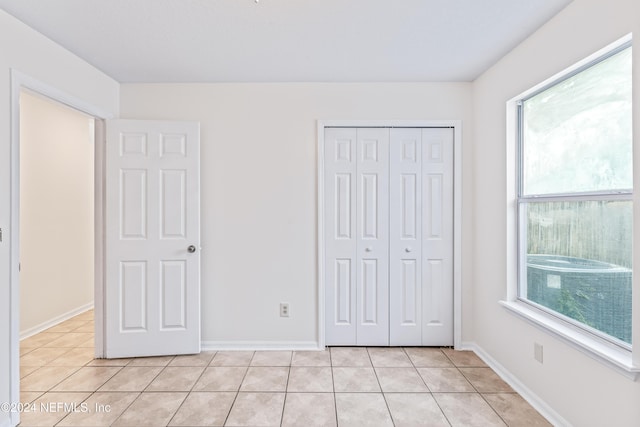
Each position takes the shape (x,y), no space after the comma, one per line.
(407,249)
(368,249)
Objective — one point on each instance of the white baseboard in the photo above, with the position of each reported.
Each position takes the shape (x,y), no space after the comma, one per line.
(534,400)
(259,345)
(53,322)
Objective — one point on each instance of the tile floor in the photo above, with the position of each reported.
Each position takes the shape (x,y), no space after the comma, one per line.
(63,385)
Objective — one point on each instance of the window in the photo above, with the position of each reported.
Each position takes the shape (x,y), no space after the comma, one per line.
(574,207)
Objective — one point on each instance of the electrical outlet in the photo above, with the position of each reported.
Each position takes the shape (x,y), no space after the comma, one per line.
(284,309)
(537,352)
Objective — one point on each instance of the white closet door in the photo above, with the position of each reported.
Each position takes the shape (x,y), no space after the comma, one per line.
(340,235)
(357,236)
(405,265)
(389,236)
(437,236)
(373,236)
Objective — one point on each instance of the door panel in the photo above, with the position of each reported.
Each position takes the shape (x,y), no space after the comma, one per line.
(152,292)
(174,295)
(369,292)
(340,236)
(409,198)
(405,290)
(343,206)
(435,205)
(133,189)
(373,236)
(133,295)
(369,201)
(437,256)
(342,291)
(410,286)
(173,212)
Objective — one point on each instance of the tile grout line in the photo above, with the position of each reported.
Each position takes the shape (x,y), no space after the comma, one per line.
(432,393)
(286,389)
(384,398)
(192,386)
(474,387)
(127,408)
(69,414)
(333,385)
(238,390)
(140,393)
(494,409)
(416,369)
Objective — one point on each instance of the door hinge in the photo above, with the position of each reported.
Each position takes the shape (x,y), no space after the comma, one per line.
(0,235)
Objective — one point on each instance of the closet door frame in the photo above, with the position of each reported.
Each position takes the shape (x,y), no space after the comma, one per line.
(456,125)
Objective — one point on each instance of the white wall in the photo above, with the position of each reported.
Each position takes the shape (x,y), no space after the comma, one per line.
(31,53)
(56,212)
(581,390)
(259,190)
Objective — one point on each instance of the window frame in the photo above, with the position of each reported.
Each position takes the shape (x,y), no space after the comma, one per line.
(604,348)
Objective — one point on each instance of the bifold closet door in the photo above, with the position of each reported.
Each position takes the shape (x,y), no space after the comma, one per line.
(357,236)
(421,237)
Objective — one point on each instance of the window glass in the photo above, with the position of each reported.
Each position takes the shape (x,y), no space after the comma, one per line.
(577,134)
(578,262)
(575,208)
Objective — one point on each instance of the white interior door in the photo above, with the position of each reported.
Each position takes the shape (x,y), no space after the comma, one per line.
(152,287)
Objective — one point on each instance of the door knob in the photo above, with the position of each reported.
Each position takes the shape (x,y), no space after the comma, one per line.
(368,249)
(191,249)
(407,249)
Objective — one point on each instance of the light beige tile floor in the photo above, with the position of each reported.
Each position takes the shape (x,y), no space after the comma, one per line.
(337,387)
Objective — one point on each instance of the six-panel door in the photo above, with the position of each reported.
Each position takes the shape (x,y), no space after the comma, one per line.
(152,304)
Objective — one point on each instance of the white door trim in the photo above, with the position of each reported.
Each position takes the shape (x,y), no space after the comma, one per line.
(457,211)
(19,82)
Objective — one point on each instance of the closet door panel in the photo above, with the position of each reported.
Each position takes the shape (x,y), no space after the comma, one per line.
(437,236)
(405,287)
(340,236)
(372,255)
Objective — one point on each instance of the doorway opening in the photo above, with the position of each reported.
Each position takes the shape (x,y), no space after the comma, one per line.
(22,87)
(57,227)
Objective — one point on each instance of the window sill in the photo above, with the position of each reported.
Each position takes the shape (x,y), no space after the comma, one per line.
(613,357)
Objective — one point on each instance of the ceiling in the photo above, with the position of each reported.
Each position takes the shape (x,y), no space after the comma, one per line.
(287,40)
